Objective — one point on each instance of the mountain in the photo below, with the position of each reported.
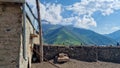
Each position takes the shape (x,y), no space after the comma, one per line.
(115,35)
(61,36)
(69,35)
(57,34)
(92,37)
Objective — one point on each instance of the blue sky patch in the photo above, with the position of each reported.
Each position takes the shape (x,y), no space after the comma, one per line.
(101,16)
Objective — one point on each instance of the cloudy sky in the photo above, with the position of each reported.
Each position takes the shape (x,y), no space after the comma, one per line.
(102,16)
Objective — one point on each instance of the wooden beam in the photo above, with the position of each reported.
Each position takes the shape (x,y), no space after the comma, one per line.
(33,36)
(40,30)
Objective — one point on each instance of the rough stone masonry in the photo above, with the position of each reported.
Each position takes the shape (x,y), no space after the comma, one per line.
(10,30)
(84,53)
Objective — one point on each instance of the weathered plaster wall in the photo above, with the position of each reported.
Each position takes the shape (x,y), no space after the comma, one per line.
(10,31)
(85,53)
(29,43)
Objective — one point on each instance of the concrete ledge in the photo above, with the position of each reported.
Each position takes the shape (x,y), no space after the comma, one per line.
(16,1)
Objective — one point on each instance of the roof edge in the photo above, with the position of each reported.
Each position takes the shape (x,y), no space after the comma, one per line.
(14,1)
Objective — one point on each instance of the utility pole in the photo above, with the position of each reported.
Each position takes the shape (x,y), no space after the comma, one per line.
(40,30)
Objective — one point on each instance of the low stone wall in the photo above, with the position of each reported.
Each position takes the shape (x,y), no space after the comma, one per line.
(109,54)
(85,53)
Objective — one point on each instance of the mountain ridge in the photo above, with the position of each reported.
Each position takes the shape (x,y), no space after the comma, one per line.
(114,35)
(68,35)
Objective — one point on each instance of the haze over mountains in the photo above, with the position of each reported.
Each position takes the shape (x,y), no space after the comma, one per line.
(69,35)
(115,35)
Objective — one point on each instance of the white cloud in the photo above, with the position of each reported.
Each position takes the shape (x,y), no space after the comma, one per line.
(85,22)
(51,13)
(82,12)
(31,2)
(86,8)
(115,28)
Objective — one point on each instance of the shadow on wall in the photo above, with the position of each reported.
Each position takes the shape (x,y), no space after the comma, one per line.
(35,56)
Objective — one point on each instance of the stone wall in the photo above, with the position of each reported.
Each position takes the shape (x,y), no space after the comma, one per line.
(10,31)
(85,53)
(110,54)
(11,37)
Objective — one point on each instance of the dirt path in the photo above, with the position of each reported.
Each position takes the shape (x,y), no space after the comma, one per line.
(78,64)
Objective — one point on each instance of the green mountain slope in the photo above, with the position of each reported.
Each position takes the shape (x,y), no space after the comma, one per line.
(61,36)
(115,35)
(93,37)
(68,35)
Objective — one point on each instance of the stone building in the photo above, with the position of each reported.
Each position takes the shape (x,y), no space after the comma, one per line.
(16,31)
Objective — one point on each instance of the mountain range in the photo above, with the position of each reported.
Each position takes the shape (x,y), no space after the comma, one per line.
(115,35)
(69,35)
